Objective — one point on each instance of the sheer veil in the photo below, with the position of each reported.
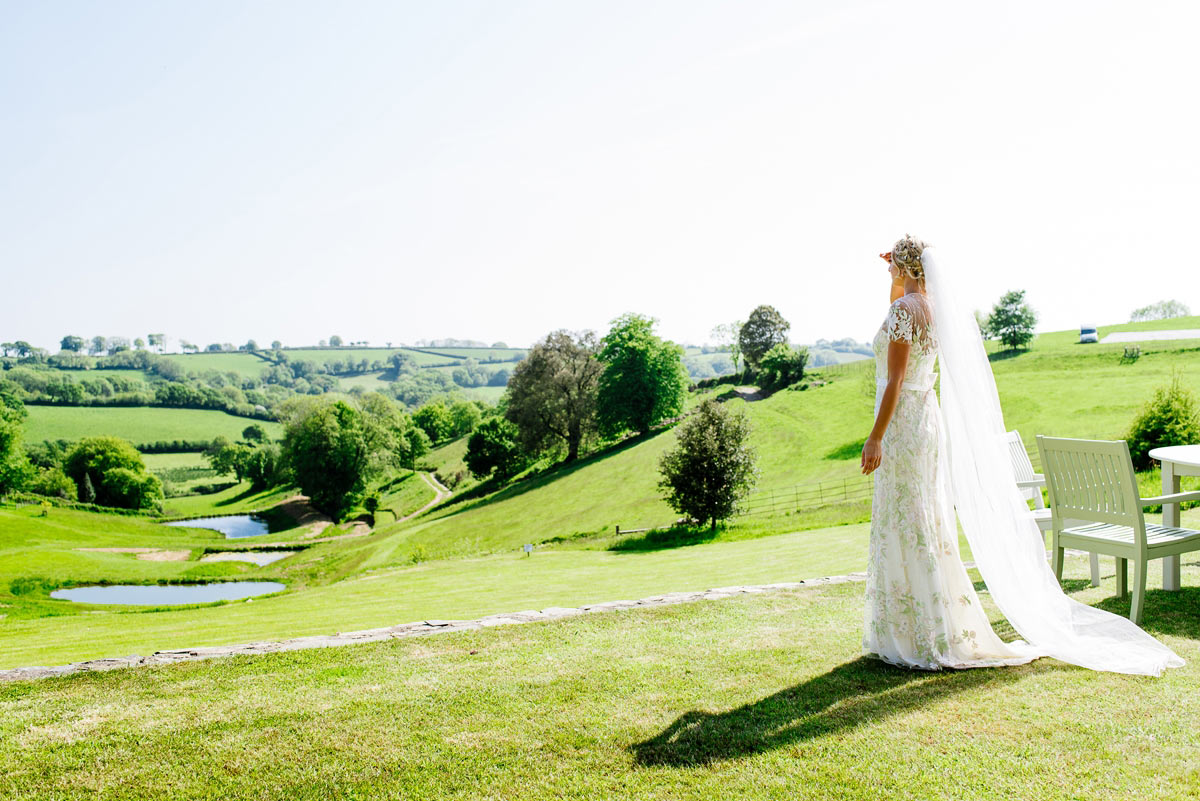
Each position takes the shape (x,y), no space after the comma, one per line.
(1005,541)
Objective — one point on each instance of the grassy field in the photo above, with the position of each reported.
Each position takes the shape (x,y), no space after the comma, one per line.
(136,424)
(760,697)
(158,462)
(244,364)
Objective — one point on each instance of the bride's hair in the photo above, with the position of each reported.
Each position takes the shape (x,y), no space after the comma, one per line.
(906,255)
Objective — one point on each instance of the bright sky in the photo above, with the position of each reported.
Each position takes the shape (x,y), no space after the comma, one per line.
(392,171)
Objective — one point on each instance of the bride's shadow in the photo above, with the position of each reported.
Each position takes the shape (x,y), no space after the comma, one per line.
(864,690)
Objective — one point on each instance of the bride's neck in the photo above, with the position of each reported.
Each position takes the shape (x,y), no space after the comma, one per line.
(908,287)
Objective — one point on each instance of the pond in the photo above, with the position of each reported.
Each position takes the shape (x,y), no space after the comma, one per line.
(232,526)
(160,594)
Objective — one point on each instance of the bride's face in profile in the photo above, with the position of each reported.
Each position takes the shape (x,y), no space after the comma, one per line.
(893,271)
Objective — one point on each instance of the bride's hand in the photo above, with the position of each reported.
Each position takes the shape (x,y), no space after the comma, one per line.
(872,455)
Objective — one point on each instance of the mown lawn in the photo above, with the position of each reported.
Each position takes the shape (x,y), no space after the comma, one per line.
(760,697)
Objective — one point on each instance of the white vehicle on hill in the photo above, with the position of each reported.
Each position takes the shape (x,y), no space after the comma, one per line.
(1087,334)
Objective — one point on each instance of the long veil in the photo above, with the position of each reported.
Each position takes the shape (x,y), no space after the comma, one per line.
(1005,541)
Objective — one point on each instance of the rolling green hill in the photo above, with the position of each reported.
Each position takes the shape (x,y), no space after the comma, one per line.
(1057,388)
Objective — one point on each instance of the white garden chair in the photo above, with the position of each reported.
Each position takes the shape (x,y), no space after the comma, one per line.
(1030,484)
(1093,481)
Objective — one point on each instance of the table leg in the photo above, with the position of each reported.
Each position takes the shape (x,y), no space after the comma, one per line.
(1170,517)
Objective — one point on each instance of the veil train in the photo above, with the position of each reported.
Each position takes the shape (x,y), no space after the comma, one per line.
(1005,541)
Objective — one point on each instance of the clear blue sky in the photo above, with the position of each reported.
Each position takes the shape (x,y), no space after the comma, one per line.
(401,170)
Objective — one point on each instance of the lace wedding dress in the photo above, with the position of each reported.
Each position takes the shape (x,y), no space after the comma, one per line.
(921,610)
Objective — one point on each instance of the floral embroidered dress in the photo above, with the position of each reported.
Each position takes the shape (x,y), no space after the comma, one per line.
(921,610)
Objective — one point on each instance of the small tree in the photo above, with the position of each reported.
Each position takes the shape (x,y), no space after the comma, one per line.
(335,341)
(254,433)
(1171,417)
(494,450)
(727,335)
(1012,320)
(72,343)
(764,329)
(711,468)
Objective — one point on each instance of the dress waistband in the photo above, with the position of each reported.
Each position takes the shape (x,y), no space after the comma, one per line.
(915,385)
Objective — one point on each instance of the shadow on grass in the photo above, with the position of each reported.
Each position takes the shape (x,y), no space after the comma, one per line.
(241,496)
(851,450)
(661,539)
(1008,353)
(858,692)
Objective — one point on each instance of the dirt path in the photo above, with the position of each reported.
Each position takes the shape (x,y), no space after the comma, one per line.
(440,494)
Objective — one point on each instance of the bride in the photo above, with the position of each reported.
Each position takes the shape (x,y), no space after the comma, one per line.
(931,461)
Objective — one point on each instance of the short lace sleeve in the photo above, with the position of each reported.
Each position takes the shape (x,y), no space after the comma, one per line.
(910,320)
(899,323)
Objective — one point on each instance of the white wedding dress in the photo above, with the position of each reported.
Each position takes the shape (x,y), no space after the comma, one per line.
(941,463)
(922,610)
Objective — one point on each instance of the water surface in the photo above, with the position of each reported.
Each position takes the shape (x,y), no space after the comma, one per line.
(232,526)
(160,594)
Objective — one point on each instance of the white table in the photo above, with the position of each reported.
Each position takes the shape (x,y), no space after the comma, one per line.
(1177,460)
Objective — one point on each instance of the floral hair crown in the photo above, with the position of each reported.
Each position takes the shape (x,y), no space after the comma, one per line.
(906,255)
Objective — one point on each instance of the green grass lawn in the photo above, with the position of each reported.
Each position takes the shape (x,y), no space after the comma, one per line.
(758,697)
(136,424)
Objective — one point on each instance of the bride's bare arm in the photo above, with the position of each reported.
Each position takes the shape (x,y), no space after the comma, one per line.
(897,358)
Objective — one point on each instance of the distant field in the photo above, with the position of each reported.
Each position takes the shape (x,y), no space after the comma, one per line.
(246,364)
(479,354)
(157,462)
(136,424)
(372,382)
(323,355)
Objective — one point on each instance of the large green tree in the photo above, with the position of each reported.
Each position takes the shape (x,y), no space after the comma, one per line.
(764,329)
(1012,320)
(644,381)
(711,467)
(110,472)
(334,449)
(326,446)
(552,392)
(72,343)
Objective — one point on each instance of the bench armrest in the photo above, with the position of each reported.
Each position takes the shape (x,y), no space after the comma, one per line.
(1177,497)
(1038,480)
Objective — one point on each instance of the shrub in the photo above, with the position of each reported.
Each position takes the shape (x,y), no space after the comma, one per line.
(1171,417)
(783,365)
(53,482)
(109,472)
